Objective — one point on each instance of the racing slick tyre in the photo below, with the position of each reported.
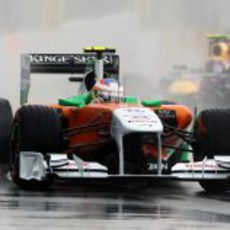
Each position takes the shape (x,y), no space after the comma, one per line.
(6,121)
(211,132)
(36,128)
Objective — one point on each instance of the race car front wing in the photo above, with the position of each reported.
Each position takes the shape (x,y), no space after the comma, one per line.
(34,166)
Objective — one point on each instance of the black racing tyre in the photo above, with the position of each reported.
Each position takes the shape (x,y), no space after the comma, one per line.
(6,121)
(36,128)
(39,129)
(212,132)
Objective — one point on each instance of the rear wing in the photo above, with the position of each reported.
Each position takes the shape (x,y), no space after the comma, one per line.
(61,64)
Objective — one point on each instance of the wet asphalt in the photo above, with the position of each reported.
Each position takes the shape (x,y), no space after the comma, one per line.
(169,205)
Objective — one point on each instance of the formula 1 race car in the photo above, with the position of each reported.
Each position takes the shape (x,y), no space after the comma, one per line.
(215,82)
(120,137)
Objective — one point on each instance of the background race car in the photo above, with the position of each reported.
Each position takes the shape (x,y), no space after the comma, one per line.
(215,83)
(203,87)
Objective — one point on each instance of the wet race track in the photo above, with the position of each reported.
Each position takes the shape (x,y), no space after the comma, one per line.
(170,206)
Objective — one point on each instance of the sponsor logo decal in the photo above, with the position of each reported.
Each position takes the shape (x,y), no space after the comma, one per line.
(154,166)
(201,165)
(67,58)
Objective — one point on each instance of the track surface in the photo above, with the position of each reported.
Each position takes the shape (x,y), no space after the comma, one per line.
(95,206)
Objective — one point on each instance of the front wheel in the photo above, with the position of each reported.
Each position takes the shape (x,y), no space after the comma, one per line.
(35,129)
(211,132)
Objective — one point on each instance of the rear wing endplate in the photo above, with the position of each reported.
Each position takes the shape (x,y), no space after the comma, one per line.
(61,64)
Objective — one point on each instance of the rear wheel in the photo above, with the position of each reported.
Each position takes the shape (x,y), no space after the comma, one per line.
(212,131)
(36,129)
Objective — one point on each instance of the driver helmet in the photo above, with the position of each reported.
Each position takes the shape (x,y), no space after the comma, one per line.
(108,90)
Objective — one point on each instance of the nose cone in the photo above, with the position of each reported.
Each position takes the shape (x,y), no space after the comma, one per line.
(135,119)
